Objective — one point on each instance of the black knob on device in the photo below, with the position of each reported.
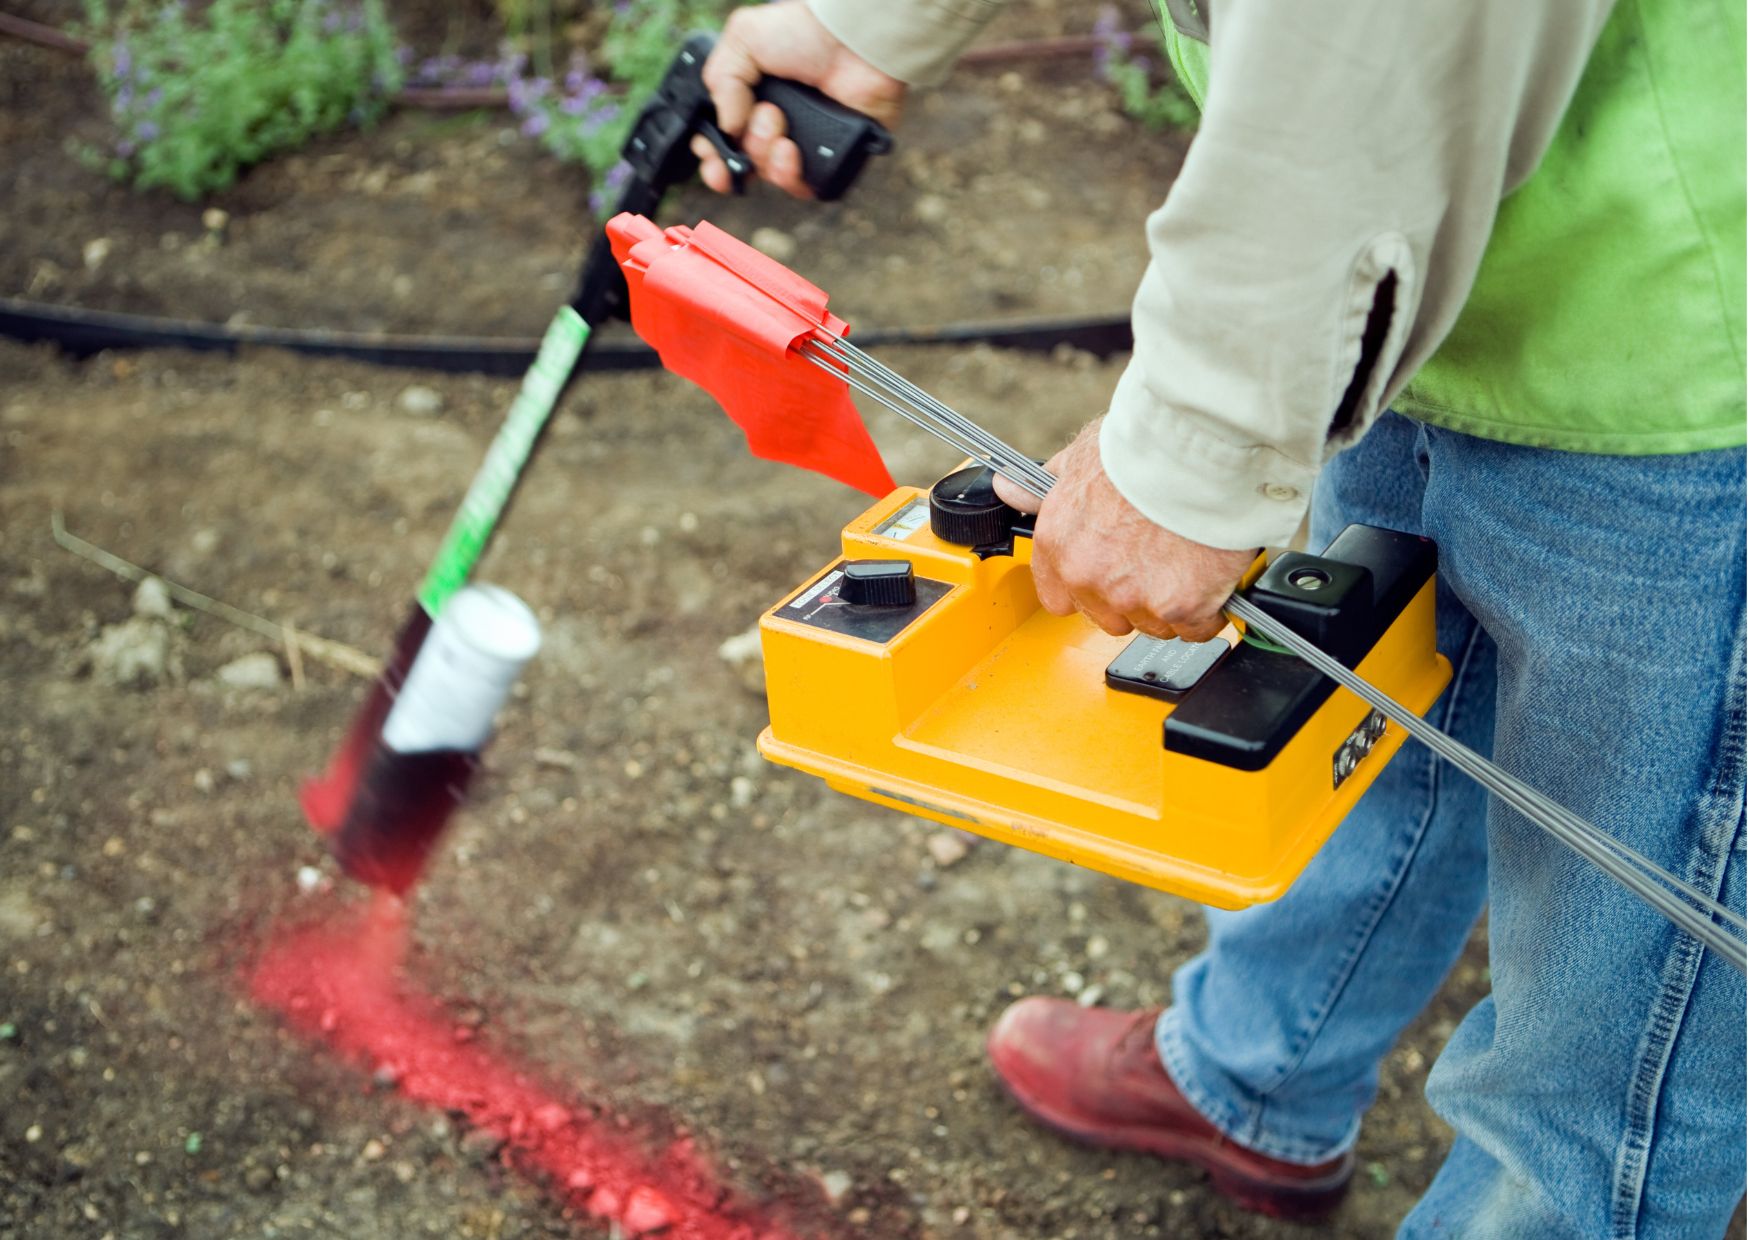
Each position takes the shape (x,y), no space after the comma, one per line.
(965,510)
(878,583)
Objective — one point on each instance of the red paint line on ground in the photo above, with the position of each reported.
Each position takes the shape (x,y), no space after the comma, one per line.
(340,983)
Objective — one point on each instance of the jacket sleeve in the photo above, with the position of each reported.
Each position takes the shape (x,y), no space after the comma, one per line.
(915,41)
(1322,237)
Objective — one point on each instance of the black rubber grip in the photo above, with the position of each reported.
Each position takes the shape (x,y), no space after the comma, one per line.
(835,140)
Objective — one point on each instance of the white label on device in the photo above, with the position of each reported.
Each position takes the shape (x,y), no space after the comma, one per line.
(819,591)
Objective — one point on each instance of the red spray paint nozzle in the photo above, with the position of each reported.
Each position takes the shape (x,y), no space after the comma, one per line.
(403,778)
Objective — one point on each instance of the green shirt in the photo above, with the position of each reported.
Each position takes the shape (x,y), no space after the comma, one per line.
(1607,314)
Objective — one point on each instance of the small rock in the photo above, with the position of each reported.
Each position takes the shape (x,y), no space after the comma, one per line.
(132,655)
(1090,996)
(373,1150)
(837,1185)
(214,220)
(239,769)
(745,653)
(647,1212)
(385,1076)
(775,242)
(1073,982)
(203,780)
(481,1144)
(152,599)
(252,671)
(948,848)
(308,879)
(930,209)
(559,759)
(741,791)
(419,400)
(257,1179)
(204,541)
(33,1134)
(96,250)
(405,1171)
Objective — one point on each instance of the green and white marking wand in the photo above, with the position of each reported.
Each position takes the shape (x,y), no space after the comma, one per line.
(835,144)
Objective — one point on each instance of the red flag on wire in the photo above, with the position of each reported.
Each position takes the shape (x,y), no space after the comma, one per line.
(730,319)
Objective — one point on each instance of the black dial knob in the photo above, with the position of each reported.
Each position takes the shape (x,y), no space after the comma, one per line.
(878,583)
(964,509)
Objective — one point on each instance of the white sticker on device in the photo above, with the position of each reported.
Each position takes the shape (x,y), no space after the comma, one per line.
(819,591)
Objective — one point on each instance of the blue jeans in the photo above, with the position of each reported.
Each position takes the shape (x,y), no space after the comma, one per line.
(1592,608)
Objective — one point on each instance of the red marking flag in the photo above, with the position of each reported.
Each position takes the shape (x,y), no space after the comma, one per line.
(732,320)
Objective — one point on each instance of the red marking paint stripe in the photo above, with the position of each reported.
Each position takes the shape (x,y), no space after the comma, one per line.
(339,984)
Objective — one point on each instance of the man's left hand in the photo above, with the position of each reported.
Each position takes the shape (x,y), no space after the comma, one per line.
(1095,552)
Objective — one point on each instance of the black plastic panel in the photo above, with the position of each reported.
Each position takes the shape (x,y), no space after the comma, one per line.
(1245,711)
(820,607)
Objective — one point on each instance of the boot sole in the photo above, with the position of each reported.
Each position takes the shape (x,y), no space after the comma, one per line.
(1306,1202)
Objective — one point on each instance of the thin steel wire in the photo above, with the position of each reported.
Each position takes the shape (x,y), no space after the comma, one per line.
(1683,905)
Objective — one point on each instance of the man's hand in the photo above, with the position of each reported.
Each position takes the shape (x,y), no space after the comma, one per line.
(783,40)
(1093,551)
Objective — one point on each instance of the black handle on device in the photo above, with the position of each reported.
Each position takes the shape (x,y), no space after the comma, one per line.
(835,143)
(835,140)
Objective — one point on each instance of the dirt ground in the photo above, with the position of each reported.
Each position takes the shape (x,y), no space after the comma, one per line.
(633,900)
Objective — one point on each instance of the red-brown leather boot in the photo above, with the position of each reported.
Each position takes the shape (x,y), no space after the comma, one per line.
(1094,1075)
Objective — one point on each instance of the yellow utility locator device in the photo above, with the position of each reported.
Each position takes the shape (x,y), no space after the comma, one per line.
(918,671)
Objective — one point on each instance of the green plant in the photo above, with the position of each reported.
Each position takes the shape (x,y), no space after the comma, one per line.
(585,117)
(1158,105)
(198,97)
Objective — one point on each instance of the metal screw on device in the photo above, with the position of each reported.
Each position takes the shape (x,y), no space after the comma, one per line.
(1309,578)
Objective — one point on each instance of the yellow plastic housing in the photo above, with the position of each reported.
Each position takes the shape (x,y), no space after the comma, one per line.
(989,713)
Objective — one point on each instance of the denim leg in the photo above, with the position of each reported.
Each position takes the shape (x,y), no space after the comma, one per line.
(1277,1029)
(1598,1091)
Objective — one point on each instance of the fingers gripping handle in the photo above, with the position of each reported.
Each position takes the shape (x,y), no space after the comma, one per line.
(835,140)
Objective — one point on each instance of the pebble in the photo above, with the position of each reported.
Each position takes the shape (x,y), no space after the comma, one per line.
(647,1212)
(480,1144)
(373,1150)
(420,400)
(96,250)
(930,209)
(837,1185)
(774,242)
(239,769)
(252,671)
(745,653)
(152,599)
(257,1179)
(213,219)
(741,791)
(948,848)
(132,655)
(308,879)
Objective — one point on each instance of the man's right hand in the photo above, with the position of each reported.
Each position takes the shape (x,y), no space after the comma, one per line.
(783,40)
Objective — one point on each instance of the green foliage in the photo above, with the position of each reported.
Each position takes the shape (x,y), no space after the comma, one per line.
(586,117)
(1164,105)
(1160,105)
(196,98)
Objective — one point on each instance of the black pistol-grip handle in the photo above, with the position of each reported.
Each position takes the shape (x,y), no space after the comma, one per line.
(835,140)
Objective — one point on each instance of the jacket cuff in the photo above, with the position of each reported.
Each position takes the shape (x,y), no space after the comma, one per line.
(915,41)
(1183,475)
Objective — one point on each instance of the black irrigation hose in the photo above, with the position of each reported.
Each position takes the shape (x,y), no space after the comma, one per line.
(81,333)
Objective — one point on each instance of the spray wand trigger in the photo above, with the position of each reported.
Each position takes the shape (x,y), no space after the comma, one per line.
(739,166)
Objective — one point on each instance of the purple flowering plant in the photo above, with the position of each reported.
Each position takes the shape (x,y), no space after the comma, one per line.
(197,94)
(1161,104)
(582,114)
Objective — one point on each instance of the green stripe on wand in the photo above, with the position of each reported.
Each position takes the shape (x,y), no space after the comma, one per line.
(497,475)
